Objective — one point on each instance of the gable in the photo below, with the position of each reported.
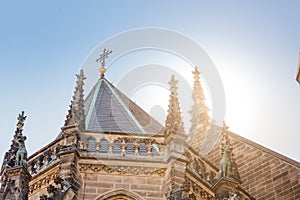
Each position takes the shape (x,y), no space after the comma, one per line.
(264,173)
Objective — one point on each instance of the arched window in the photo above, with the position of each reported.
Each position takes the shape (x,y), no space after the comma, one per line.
(117,147)
(130,147)
(104,145)
(155,148)
(120,197)
(91,145)
(119,194)
(143,148)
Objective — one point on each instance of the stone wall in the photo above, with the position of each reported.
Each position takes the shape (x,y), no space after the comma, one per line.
(265,174)
(96,184)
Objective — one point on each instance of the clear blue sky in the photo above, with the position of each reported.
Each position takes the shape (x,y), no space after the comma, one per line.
(254,45)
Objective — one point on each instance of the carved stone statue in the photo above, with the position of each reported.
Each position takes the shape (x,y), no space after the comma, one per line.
(225,168)
(21,155)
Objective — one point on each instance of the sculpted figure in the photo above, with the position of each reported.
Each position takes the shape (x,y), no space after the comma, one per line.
(225,168)
(21,155)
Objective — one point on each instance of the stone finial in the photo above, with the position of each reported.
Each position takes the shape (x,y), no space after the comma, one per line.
(76,112)
(21,119)
(225,135)
(200,118)
(173,123)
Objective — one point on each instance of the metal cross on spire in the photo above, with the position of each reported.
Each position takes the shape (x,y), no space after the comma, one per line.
(101,60)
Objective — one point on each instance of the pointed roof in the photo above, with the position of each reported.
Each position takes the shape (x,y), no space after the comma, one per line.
(107,109)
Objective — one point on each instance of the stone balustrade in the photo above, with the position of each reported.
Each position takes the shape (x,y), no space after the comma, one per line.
(123,146)
(42,159)
(118,146)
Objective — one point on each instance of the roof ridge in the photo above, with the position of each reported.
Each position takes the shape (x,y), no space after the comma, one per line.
(122,103)
(266,150)
(89,113)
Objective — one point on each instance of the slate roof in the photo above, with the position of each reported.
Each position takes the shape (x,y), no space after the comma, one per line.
(107,109)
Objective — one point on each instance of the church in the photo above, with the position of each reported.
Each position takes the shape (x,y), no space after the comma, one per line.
(111,149)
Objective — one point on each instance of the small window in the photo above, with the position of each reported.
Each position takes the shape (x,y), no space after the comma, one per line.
(104,146)
(143,148)
(116,147)
(130,147)
(155,149)
(91,146)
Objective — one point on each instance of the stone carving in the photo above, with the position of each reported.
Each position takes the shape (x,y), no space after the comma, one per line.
(42,183)
(21,118)
(228,167)
(225,168)
(58,191)
(228,195)
(181,193)
(10,156)
(128,170)
(21,155)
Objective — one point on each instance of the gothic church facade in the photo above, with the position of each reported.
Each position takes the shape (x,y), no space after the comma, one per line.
(110,148)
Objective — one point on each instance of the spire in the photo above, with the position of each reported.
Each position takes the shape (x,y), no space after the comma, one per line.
(228,167)
(298,73)
(76,112)
(173,124)
(200,119)
(10,155)
(14,172)
(101,60)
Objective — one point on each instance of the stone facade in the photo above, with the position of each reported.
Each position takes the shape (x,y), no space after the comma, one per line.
(110,154)
(265,174)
